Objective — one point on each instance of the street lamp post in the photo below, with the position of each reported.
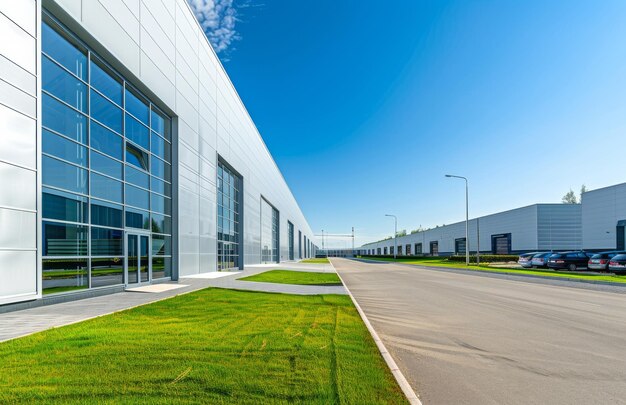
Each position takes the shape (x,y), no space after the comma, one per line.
(395,235)
(467,260)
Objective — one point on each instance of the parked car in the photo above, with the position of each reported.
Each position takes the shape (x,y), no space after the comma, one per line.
(571,261)
(524,259)
(540,260)
(618,264)
(600,261)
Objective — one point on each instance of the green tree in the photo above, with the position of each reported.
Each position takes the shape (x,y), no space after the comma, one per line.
(583,189)
(569,198)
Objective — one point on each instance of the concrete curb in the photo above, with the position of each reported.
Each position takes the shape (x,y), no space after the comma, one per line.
(395,370)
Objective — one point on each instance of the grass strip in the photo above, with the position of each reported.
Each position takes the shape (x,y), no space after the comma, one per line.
(210,346)
(295,277)
(317,260)
(439,262)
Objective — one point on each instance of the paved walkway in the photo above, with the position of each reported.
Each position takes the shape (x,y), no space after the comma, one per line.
(28,321)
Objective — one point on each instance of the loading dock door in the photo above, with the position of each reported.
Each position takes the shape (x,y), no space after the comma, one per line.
(501,244)
(434,248)
(621,235)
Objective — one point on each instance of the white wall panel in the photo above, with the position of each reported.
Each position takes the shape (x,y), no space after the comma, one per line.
(73,7)
(601,211)
(157,54)
(157,81)
(19,187)
(23,13)
(18,282)
(18,77)
(18,150)
(108,31)
(17,99)
(18,135)
(17,45)
(18,230)
(128,21)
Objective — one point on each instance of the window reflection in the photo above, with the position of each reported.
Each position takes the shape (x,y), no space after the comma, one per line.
(63,119)
(103,80)
(62,275)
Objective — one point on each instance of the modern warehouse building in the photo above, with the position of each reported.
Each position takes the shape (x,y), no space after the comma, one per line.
(533,228)
(597,223)
(127,156)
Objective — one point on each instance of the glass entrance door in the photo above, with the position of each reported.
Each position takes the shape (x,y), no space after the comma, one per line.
(138,267)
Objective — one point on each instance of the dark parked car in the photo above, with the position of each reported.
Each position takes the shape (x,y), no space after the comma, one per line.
(524,259)
(600,261)
(571,261)
(540,260)
(618,264)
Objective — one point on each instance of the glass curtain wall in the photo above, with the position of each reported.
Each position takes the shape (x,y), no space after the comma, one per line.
(290,237)
(269,233)
(228,206)
(106,168)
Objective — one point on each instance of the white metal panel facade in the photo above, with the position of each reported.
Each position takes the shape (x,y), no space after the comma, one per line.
(159,46)
(19,157)
(601,211)
(559,227)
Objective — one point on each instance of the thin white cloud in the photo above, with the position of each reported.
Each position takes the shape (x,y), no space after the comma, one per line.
(218,19)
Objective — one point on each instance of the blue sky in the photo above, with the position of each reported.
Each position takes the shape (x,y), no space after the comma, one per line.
(365,106)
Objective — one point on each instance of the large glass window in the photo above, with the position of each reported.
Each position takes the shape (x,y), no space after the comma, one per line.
(106,242)
(63,175)
(106,188)
(64,148)
(104,145)
(228,225)
(64,239)
(106,141)
(136,105)
(136,157)
(65,51)
(105,81)
(63,119)
(63,206)
(62,84)
(137,132)
(105,165)
(106,112)
(290,236)
(107,271)
(269,233)
(62,275)
(106,214)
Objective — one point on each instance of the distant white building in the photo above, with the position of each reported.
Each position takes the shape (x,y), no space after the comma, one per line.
(536,227)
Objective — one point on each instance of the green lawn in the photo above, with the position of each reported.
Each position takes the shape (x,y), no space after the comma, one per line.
(295,277)
(442,262)
(317,260)
(210,346)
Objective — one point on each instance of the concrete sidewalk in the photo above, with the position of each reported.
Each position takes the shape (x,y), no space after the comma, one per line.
(28,321)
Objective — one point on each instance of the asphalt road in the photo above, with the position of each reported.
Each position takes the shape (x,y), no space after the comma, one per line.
(470,339)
